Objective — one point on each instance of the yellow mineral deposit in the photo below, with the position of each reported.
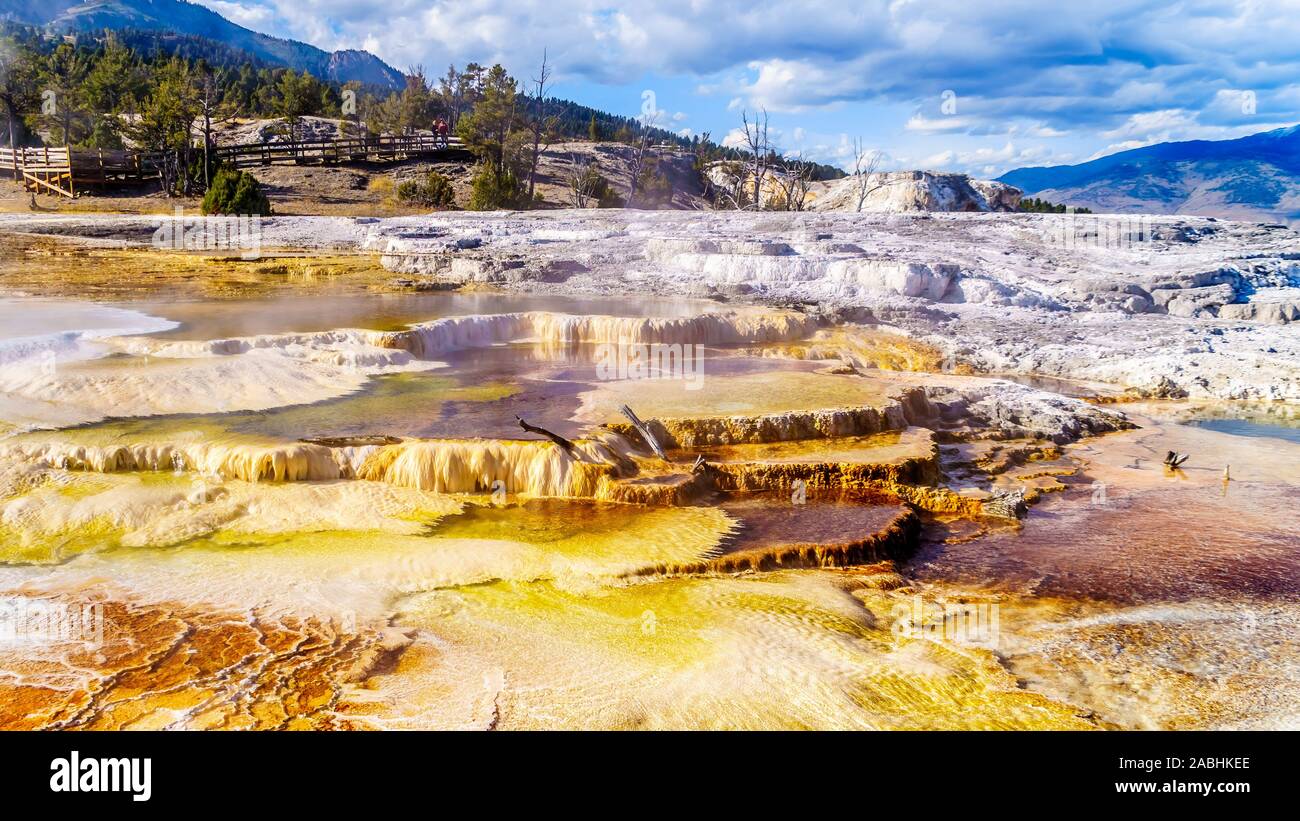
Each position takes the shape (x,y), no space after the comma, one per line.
(277,533)
(783,650)
(864,348)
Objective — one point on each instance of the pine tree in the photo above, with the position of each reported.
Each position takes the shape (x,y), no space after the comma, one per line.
(61,78)
(164,121)
(296,96)
(486,129)
(112,83)
(17,86)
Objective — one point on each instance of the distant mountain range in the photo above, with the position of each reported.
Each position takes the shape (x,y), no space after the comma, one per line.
(192,19)
(1251,178)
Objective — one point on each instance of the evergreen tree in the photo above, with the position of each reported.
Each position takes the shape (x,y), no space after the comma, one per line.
(17,87)
(164,121)
(112,84)
(61,78)
(235,193)
(410,109)
(486,129)
(495,188)
(296,96)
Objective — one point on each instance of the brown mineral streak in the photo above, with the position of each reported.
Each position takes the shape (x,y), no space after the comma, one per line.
(166,664)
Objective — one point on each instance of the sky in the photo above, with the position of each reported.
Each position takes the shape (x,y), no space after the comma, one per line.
(976,86)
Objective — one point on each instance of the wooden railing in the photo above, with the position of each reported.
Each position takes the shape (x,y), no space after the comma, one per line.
(53,170)
(45,170)
(34,158)
(350,149)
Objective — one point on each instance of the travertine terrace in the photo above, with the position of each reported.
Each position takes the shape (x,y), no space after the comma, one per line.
(1164,306)
(301,492)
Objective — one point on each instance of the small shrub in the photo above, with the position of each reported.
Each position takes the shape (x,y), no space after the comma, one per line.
(1036,206)
(653,187)
(590,189)
(495,188)
(409,190)
(235,192)
(434,191)
(777,201)
(604,194)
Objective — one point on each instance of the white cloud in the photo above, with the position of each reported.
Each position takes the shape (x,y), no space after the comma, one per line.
(987,162)
(735,138)
(1141,127)
(1168,125)
(798,85)
(1045,131)
(918,122)
(1137,71)
(248,15)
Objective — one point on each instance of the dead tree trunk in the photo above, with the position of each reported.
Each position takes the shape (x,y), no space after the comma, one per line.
(539,127)
(568,446)
(644,430)
(760,152)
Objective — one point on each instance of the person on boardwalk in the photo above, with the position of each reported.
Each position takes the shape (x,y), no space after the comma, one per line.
(440,130)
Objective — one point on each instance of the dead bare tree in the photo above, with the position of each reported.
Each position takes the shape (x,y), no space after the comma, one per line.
(793,179)
(646,434)
(727,179)
(760,149)
(584,181)
(866,179)
(648,123)
(214,112)
(542,127)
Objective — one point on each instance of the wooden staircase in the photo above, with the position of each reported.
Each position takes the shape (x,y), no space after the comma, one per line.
(43,170)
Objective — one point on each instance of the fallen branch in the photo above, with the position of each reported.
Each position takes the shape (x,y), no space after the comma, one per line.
(642,429)
(554,437)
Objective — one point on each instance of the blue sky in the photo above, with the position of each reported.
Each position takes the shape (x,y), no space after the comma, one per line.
(979,86)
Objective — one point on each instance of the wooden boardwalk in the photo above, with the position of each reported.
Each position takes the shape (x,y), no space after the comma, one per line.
(65,172)
(351,149)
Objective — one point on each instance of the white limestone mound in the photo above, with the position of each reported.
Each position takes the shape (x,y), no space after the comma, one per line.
(900,192)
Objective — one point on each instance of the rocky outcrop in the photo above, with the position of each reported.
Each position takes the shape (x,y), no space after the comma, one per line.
(889,192)
(765,263)
(1010,411)
(998,196)
(898,192)
(1273,313)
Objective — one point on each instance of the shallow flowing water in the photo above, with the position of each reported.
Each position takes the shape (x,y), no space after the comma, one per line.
(162,460)
(302,313)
